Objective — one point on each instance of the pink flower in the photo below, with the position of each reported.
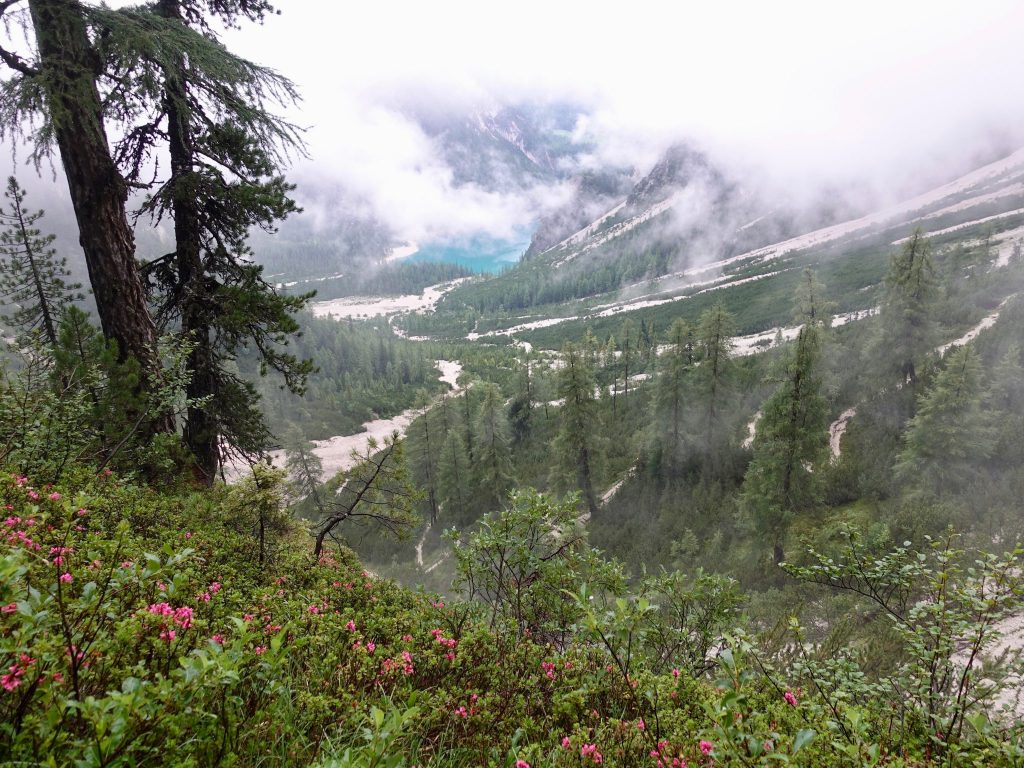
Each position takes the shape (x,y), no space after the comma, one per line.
(54,496)
(706,747)
(259,650)
(33,495)
(461,712)
(9,608)
(522,764)
(566,742)
(21,480)
(82,512)
(675,673)
(351,626)
(66,577)
(188,534)
(12,680)
(640,724)
(549,669)
(590,750)
(214,587)
(790,698)
(371,647)
(218,639)
(168,635)
(127,564)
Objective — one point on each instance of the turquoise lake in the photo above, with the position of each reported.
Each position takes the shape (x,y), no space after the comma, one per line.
(481,254)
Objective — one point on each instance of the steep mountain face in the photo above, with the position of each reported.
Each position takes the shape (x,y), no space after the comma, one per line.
(684,204)
(594,194)
(504,148)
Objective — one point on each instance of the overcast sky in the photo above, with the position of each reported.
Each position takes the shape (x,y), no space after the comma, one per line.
(872,92)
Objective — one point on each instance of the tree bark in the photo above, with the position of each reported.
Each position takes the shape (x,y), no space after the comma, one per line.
(201,430)
(68,67)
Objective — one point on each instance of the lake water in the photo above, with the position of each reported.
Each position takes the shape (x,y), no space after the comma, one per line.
(481,254)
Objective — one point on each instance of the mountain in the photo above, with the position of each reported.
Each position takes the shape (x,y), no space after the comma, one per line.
(503,148)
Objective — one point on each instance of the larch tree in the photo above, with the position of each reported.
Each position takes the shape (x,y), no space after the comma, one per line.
(907,326)
(629,357)
(673,382)
(492,456)
(424,443)
(577,445)
(520,409)
(948,438)
(305,468)
(791,443)
(453,478)
(714,344)
(33,279)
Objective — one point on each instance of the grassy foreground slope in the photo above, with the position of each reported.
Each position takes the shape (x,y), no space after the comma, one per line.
(144,626)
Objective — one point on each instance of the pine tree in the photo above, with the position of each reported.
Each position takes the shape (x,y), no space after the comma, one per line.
(492,457)
(577,445)
(32,278)
(791,443)
(210,109)
(948,438)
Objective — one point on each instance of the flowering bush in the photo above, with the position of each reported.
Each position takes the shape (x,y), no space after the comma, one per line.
(140,627)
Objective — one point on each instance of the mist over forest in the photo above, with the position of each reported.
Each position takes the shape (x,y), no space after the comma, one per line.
(543,387)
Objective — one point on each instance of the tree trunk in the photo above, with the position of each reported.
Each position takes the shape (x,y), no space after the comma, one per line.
(201,432)
(69,67)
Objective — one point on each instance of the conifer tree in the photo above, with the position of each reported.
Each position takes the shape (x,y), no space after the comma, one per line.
(790,445)
(492,457)
(54,95)
(520,410)
(714,344)
(454,487)
(210,110)
(32,278)
(577,445)
(811,306)
(907,327)
(676,365)
(305,468)
(628,358)
(1005,400)
(424,445)
(948,438)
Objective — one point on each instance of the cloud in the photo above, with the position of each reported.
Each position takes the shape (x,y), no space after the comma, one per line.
(881,96)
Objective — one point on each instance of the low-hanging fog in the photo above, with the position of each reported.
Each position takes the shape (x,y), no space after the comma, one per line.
(879,100)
